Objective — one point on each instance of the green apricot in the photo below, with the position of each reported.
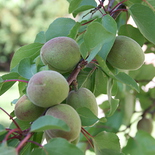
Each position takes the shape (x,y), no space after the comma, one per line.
(68,115)
(25,110)
(60,54)
(145,124)
(47,88)
(83,97)
(126,54)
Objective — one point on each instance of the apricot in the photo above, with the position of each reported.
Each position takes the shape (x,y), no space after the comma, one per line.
(47,88)
(60,54)
(126,54)
(70,116)
(83,97)
(145,124)
(25,110)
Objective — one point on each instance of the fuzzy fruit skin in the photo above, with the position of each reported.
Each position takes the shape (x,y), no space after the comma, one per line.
(145,124)
(25,110)
(68,115)
(126,54)
(60,54)
(47,88)
(83,97)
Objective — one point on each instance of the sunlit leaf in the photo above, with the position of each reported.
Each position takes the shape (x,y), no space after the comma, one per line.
(144,18)
(40,37)
(27,51)
(107,143)
(58,146)
(48,122)
(26,69)
(87,116)
(132,32)
(59,27)
(4,86)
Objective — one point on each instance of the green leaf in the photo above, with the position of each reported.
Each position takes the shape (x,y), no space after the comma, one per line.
(121,76)
(128,106)
(2,129)
(48,122)
(86,116)
(4,86)
(93,53)
(7,150)
(26,69)
(59,27)
(132,32)
(86,79)
(107,143)
(40,38)
(144,74)
(95,35)
(58,146)
(80,6)
(27,51)
(73,5)
(110,25)
(100,82)
(150,3)
(104,67)
(143,143)
(113,102)
(83,50)
(144,99)
(114,122)
(74,31)
(126,79)
(144,18)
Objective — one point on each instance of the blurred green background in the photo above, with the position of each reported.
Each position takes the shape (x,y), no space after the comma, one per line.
(21,20)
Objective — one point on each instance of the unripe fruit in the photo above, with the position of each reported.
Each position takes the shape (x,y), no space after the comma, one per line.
(83,97)
(47,88)
(145,124)
(68,115)
(60,54)
(126,54)
(25,110)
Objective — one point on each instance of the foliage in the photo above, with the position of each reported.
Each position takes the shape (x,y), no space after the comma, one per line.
(95,34)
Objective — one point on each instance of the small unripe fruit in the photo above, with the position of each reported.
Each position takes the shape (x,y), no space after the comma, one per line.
(47,88)
(25,110)
(126,54)
(145,124)
(68,115)
(60,54)
(83,97)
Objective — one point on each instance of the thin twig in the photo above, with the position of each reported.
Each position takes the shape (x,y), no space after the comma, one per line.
(12,119)
(23,142)
(76,71)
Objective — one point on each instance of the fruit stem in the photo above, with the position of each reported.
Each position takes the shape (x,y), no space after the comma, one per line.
(11,119)
(86,132)
(35,143)
(11,80)
(9,133)
(22,143)
(83,132)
